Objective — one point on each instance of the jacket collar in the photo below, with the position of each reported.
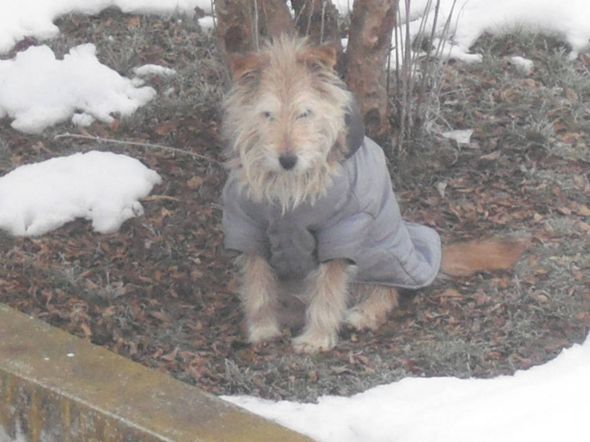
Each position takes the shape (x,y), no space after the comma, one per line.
(356,130)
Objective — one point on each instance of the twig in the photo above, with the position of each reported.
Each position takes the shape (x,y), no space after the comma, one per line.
(135,143)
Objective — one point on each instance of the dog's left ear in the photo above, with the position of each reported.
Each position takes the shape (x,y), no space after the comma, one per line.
(241,65)
(325,55)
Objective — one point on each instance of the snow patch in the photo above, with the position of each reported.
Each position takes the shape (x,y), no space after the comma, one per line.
(39,90)
(472,18)
(151,70)
(524,65)
(207,22)
(34,18)
(542,404)
(101,187)
(461,137)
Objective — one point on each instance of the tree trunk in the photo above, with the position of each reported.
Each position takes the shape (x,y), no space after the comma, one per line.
(317,19)
(274,18)
(235,27)
(369,45)
(242,23)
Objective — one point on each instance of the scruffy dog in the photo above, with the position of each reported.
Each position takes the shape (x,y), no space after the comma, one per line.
(310,206)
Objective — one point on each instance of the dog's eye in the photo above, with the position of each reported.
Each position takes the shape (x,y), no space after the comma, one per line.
(305,114)
(268,115)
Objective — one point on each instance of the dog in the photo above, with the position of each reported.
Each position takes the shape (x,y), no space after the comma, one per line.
(309,203)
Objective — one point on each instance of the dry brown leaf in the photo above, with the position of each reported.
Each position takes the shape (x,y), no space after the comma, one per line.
(166,128)
(451,294)
(86,330)
(195,182)
(581,209)
(493,156)
(134,22)
(161,316)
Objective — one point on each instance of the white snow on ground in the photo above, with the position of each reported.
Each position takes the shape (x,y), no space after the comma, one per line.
(545,403)
(522,64)
(34,18)
(101,187)
(471,18)
(37,90)
(149,70)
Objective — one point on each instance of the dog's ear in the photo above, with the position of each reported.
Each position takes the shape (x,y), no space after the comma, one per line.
(325,55)
(242,65)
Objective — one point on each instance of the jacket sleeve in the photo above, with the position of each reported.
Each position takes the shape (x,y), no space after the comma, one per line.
(243,232)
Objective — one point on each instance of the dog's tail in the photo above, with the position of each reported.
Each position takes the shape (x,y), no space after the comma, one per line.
(467,258)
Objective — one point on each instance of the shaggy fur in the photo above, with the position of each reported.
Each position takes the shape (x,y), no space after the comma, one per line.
(285,129)
(286,101)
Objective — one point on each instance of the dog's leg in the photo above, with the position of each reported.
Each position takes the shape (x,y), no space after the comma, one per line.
(377,301)
(259,293)
(327,304)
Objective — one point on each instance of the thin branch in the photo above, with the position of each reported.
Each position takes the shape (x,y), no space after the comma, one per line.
(136,143)
(324,4)
(255,25)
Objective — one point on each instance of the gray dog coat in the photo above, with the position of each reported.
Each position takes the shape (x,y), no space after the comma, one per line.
(357,219)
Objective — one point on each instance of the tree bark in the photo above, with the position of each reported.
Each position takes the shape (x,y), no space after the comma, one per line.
(317,19)
(274,18)
(235,27)
(241,24)
(365,73)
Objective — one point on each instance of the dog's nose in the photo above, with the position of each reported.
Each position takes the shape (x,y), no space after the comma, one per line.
(288,161)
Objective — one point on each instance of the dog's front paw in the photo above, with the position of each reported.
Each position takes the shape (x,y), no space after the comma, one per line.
(261,332)
(314,342)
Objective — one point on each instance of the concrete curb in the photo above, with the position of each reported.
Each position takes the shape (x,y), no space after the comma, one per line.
(56,387)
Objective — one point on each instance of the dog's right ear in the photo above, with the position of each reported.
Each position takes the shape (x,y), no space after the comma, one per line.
(241,65)
(325,55)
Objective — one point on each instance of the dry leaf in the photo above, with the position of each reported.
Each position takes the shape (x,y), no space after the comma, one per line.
(134,22)
(491,156)
(451,294)
(86,330)
(166,128)
(581,210)
(195,182)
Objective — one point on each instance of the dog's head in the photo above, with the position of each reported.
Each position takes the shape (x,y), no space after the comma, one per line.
(286,119)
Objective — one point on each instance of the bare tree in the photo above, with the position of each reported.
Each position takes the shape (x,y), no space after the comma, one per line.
(241,23)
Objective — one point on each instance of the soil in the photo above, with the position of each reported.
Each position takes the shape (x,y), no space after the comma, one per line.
(161,291)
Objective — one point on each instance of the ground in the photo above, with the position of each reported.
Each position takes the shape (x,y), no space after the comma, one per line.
(161,290)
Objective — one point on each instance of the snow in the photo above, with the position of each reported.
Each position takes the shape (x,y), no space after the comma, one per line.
(471,18)
(522,64)
(461,137)
(77,87)
(34,18)
(148,70)
(544,403)
(101,187)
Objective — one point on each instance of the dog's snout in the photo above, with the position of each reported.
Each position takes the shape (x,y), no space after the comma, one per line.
(288,161)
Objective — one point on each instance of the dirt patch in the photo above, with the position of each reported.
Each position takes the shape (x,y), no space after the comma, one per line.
(161,290)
